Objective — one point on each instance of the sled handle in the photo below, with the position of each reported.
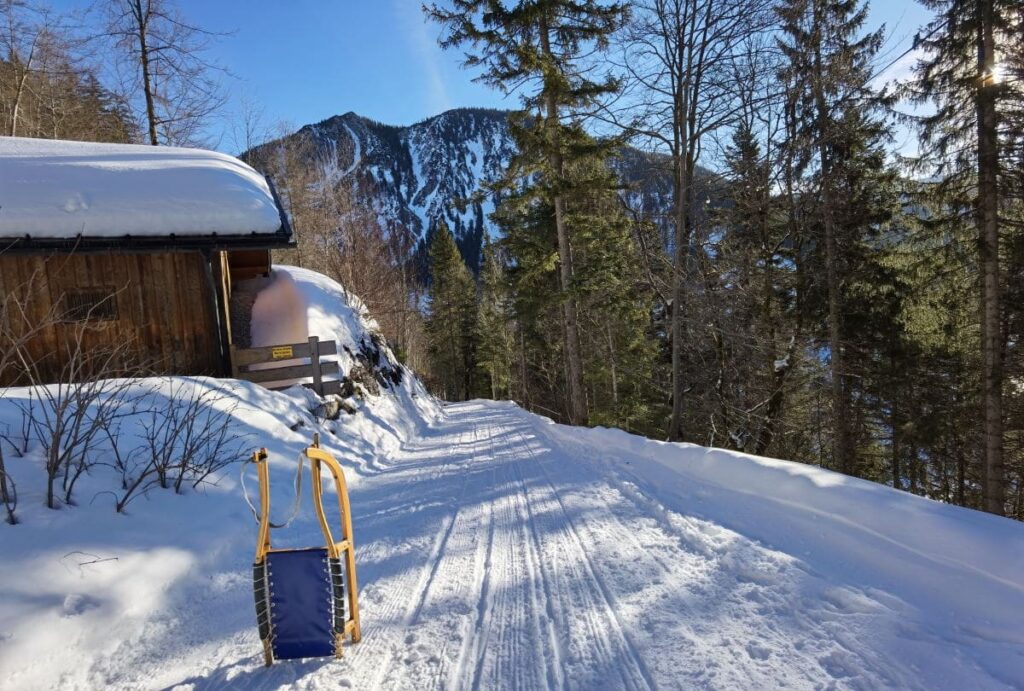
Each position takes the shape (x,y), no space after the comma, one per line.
(263,537)
(346,545)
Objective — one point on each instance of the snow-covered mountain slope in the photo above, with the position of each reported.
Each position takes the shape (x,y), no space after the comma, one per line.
(412,177)
(498,550)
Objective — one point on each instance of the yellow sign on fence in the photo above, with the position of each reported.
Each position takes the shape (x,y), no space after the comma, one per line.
(281,352)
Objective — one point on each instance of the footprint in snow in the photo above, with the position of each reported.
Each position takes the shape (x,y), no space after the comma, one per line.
(77,603)
(758,652)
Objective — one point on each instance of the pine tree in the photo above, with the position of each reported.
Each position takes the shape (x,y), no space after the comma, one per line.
(546,43)
(451,323)
(839,138)
(758,293)
(932,385)
(496,351)
(615,302)
(960,76)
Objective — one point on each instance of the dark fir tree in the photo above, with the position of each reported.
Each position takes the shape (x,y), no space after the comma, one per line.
(615,303)
(960,75)
(451,320)
(496,350)
(839,139)
(544,48)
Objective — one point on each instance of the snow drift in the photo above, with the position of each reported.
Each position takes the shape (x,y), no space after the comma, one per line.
(299,303)
(63,189)
(961,571)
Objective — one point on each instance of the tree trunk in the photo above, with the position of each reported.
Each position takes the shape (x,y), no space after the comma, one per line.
(51,479)
(679,257)
(841,457)
(5,491)
(894,413)
(988,256)
(775,401)
(524,389)
(17,103)
(611,362)
(20,89)
(577,407)
(895,424)
(142,22)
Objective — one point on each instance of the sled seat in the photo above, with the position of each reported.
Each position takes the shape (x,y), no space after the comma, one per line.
(300,594)
(300,605)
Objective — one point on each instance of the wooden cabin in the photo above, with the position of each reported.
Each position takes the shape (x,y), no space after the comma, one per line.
(136,247)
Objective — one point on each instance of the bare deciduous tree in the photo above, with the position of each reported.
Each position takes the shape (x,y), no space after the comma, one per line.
(679,58)
(163,63)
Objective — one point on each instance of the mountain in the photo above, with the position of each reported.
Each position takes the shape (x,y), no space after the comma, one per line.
(412,177)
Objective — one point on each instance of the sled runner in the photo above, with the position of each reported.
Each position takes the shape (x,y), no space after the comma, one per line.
(301,593)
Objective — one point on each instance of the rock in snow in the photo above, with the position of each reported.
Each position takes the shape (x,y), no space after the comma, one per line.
(496,549)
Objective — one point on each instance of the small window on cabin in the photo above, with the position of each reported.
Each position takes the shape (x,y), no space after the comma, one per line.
(94,304)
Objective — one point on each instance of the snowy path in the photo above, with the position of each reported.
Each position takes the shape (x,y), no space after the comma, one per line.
(498,551)
(496,557)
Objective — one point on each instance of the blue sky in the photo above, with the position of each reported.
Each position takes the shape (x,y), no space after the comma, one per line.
(306,60)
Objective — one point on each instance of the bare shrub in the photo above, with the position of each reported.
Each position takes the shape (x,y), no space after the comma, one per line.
(68,421)
(181,429)
(16,330)
(65,416)
(187,437)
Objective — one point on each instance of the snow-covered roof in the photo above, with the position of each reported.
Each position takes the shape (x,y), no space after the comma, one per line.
(52,189)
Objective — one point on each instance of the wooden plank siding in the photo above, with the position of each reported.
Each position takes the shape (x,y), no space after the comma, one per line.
(165,301)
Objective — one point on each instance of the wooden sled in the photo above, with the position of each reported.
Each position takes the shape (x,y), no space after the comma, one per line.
(301,593)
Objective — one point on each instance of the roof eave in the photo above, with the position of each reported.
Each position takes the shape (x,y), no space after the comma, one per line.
(134,244)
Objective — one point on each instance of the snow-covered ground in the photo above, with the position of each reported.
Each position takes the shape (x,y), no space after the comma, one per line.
(496,549)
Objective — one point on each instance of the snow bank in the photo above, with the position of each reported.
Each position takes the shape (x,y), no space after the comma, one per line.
(62,189)
(962,570)
(84,583)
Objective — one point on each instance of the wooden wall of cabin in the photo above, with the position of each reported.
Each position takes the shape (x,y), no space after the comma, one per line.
(165,308)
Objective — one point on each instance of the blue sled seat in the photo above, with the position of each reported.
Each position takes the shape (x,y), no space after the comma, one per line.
(300,593)
(299,603)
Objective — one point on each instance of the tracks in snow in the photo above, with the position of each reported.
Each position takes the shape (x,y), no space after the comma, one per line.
(494,557)
(508,595)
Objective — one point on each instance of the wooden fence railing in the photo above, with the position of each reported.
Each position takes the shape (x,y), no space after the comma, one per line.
(276,364)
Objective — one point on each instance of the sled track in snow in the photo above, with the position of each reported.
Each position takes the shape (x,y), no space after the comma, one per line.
(506,627)
(401,611)
(629,662)
(508,595)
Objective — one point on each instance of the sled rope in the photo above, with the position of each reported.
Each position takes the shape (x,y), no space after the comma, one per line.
(295,503)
